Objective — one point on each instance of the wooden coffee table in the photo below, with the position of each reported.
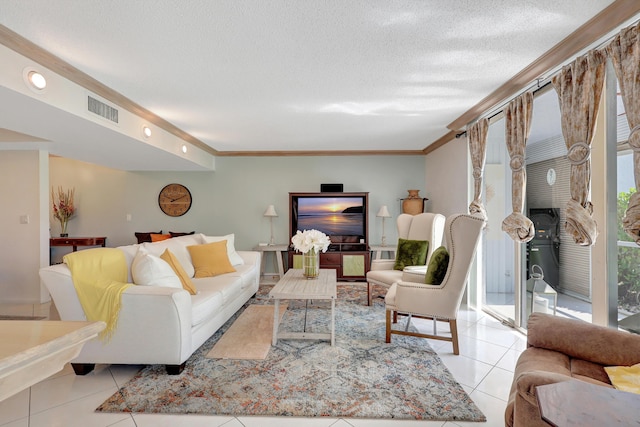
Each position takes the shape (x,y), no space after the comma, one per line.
(294,285)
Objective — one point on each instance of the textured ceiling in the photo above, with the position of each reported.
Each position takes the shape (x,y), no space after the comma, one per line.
(301,75)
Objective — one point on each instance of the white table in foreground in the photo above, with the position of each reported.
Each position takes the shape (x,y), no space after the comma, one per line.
(33,350)
(295,286)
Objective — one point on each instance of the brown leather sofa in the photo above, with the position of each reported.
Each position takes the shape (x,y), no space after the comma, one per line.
(559,349)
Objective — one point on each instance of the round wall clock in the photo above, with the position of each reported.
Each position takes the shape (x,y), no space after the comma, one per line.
(174,200)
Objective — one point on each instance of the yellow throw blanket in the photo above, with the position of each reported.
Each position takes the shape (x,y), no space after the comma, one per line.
(99,276)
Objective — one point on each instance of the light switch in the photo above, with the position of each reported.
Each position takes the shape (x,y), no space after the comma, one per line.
(128,217)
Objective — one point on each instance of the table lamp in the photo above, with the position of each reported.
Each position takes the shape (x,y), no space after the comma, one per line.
(383,213)
(271,212)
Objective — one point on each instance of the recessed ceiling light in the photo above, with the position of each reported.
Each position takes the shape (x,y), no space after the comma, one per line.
(146,131)
(37,80)
(34,79)
(184,148)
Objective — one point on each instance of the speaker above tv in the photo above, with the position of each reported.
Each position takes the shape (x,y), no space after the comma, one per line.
(331,188)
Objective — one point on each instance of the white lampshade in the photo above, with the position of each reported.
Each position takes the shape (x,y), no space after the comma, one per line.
(383,212)
(271,211)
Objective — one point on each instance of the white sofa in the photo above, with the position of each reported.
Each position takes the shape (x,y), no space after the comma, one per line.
(158,324)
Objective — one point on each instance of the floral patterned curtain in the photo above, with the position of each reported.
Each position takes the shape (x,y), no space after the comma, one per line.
(579,86)
(624,51)
(477,137)
(517,128)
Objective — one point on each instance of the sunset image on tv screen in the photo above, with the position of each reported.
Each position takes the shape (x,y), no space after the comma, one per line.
(331,215)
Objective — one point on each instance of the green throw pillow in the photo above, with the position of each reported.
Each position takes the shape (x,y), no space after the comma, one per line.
(437,266)
(411,252)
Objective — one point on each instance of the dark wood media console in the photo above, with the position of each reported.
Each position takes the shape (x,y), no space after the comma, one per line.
(349,252)
(350,260)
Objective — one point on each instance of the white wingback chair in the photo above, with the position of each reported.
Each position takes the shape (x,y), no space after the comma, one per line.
(438,302)
(424,226)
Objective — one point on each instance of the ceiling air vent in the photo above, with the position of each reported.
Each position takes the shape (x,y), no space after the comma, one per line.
(103,110)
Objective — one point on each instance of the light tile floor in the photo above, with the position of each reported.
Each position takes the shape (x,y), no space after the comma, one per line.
(488,353)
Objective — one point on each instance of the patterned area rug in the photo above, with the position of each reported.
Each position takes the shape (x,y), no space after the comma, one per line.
(360,377)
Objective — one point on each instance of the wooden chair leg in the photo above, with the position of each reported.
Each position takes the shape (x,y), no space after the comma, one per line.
(453,325)
(368,293)
(395,317)
(388,334)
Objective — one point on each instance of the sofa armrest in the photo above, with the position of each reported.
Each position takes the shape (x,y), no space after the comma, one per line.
(154,326)
(522,408)
(424,299)
(382,264)
(414,273)
(250,257)
(527,382)
(583,340)
(57,279)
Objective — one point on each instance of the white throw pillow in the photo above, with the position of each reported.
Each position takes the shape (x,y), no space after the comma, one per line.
(130,252)
(234,257)
(150,270)
(178,247)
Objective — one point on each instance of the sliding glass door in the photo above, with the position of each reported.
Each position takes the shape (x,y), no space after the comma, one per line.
(500,268)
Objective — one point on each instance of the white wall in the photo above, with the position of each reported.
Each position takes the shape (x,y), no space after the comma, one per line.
(447,177)
(24,247)
(230,200)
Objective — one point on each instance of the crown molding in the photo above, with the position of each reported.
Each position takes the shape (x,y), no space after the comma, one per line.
(28,49)
(449,136)
(320,153)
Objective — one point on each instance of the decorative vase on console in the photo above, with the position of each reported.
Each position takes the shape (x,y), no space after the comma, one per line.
(63,209)
(413,204)
(63,229)
(310,243)
(311,264)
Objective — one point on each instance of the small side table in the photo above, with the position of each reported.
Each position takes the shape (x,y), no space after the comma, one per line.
(631,323)
(579,403)
(379,249)
(277,250)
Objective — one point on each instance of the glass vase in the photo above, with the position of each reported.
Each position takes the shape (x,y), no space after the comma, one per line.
(311,264)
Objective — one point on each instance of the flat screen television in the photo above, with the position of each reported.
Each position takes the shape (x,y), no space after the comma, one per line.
(341,216)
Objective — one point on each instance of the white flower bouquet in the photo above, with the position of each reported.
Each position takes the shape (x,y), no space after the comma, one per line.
(310,243)
(307,240)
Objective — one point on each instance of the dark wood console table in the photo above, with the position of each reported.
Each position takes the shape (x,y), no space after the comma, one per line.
(77,241)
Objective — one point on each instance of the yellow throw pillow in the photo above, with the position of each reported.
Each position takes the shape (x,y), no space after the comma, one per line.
(625,378)
(175,264)
(210,259)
